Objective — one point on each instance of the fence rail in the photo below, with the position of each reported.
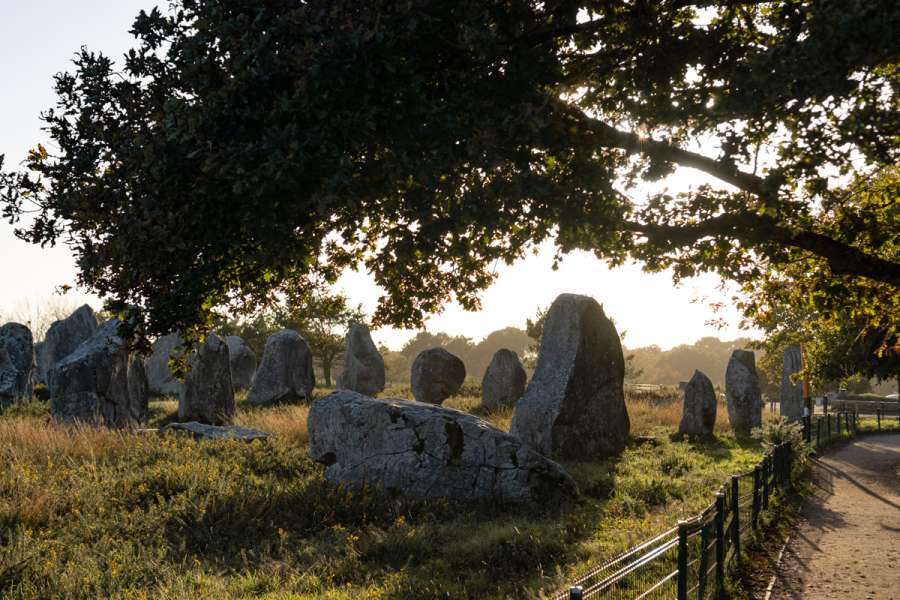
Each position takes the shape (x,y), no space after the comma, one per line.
(689,561)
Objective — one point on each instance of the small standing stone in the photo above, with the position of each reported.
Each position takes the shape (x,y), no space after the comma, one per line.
(243,362)
(791,391)
(743,397)
(436,375)
(698,417)
(159,375)
(208,395)
(63,337)
(504,380)
(575,404)
(100,382)
(16,363)
(363,366)
(285,372)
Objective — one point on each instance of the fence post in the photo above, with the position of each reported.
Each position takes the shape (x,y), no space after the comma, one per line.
(736,519)
(818,432)
(720,544)
(576,593)
(878,417)
(828,426)
(682,560)
(754,515)
(837,418)
(767,474)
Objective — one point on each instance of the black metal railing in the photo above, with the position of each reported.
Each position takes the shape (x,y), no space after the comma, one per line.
(689,560)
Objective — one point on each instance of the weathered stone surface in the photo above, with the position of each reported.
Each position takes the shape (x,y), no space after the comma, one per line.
(159,376)
(363,365)
(207,394)
(285,372)
(63,337)
(38,376)
(202,431)
(698,417)
(436,375)
(791,391)
(426,451)
(16,363)
(574,405)
(243,362)
(100,382)
(742,394)
(504,380)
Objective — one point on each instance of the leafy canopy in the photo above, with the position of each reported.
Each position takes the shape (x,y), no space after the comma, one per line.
(243,144)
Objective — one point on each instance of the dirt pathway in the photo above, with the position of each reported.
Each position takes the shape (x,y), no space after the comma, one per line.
(848,544)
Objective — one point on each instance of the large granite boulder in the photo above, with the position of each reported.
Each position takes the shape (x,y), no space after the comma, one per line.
(574,406)
(101,382)
(63,337)
(698,417)
(207,395)
(742,394)
(504,380)
(436,375)
(363,365)
(243,362)
(159,375)
(792,391)
(426,451)
(16,363)
(285,372)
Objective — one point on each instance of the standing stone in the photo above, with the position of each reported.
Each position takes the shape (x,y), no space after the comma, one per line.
(436,375)
(285,372)
(574,406)
(243,362)
(159,376)
(100,382)
(427,451)
(504,380)
(207,395)
(16,363)
(791,391)
(698,417)
(363,365)
(63,337)
(742,394)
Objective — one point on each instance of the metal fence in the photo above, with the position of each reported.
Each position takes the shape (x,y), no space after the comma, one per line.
(689,560)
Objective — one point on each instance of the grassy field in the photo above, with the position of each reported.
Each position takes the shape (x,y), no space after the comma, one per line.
(89,513)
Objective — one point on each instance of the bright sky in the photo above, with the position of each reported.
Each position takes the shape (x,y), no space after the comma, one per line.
(39,37)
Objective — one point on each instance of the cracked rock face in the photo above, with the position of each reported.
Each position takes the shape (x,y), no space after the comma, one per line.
(427,451)
(698,417)
(16,363)
(743,397)
(208,395)
(504,380)
(243,362)
(574,405)
(63,337)
(436,375)
(100,382)
(363,365)
(162,381)
(791,391)
(285,373)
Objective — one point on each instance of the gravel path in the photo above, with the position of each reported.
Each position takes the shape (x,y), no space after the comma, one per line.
(848,542)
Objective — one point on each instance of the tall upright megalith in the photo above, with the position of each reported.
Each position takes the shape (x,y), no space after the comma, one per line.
(363,366)
(742,394)
(504,380)
(285,372)
(16,363)
(100,382)
(698,417)
(791,390)
(207,395)
(243,362)
(160,377)
(574,406)
(63,337)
